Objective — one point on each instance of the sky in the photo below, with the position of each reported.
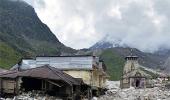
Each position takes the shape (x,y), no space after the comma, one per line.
(141,24)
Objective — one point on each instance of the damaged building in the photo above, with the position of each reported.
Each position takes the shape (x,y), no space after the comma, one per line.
(47,79)
(90,69)
(132,75)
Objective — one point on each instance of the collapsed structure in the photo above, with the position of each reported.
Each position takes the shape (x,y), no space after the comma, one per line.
(71,76)
(132,75)
(47,79)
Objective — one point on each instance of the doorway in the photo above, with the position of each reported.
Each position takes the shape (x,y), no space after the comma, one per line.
(137,83)
(29,84)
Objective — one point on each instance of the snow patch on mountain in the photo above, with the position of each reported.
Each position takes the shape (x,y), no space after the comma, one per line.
(108,42)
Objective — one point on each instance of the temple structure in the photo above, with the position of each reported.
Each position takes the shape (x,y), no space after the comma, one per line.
(132,75)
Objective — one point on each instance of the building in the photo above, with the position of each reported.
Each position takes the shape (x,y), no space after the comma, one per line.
(45,78)
(132,75)
(88,68)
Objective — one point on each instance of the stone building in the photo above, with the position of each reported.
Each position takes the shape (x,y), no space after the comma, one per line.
(132,75)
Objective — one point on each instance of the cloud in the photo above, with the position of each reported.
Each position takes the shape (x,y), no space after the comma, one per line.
(142,24)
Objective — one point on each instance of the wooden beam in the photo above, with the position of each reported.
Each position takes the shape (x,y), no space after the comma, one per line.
(53,83)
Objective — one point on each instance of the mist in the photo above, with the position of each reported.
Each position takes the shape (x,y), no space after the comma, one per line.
(141,24)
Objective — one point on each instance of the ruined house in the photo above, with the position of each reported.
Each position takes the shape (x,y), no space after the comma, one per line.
(88,68)
(132,75)
(46,79)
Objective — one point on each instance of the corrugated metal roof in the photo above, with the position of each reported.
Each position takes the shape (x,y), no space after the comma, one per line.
(66,62)
(67,56)
(44,72)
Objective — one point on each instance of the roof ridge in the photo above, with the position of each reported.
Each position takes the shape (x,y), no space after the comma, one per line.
(67,56)
(49,67)
(72,80)
(35,67)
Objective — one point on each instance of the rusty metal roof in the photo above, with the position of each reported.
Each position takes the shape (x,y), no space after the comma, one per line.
(10,74)
(43,72)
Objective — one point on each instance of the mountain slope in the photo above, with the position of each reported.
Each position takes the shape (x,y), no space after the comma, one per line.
(8,56)
(116,52)
(114,59)
(22,32)
(114,63)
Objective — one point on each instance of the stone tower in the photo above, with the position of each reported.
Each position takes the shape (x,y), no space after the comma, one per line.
(131,64)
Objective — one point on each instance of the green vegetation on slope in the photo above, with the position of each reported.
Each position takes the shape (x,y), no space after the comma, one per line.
(114,63)
(8,56)
(23,33)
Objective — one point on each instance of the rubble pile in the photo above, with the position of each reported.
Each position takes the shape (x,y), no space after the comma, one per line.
(156,93)
(137,94)
(34,95)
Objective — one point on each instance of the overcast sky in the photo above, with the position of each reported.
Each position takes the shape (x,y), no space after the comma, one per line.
(142,24)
